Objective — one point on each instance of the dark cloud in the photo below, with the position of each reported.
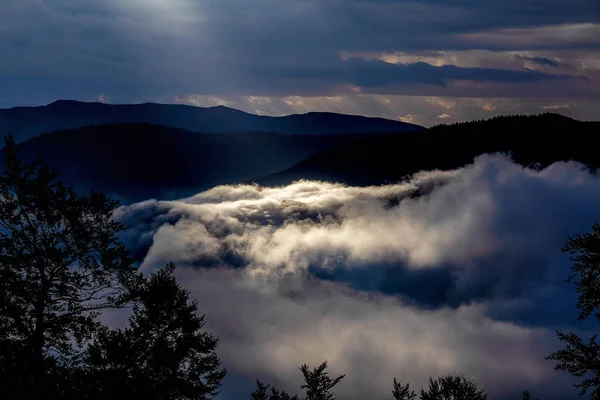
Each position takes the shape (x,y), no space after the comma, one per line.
(472,267)
(378,73)
(372,76)
(539,60)
(433,24)
(160,49)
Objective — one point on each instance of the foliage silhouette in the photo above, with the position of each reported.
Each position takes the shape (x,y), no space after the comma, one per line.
(452,387)
(318,383)
(402,392)
(527,396)
(163,354)
(281,395)
(60,265)
(262,393)
(580,358)
(317,386)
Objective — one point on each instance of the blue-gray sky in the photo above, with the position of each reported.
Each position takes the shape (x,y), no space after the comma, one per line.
(422,61)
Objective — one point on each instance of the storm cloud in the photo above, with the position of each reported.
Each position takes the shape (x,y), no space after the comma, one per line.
(165,49)
(450,271)
(539,60)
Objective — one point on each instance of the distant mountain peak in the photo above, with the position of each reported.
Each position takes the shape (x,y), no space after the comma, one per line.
(67,102)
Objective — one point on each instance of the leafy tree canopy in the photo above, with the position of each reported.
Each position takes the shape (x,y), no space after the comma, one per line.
(581,358)
(452,387)
(60,265)
(164,353)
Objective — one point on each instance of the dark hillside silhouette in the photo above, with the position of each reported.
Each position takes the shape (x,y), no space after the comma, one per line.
(27,122)
(140,161)
(542,139)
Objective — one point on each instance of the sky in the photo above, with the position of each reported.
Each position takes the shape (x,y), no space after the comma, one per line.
(426,61)
(468,278)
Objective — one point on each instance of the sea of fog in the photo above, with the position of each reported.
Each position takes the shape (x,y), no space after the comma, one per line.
(451,271)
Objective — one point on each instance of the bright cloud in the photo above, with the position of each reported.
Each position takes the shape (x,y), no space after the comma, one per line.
(450,271)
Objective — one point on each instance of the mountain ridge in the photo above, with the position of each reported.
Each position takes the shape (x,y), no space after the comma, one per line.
(27,122)
(135,162)
(387,158)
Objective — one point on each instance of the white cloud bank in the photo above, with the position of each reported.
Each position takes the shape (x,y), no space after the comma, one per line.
(471,266)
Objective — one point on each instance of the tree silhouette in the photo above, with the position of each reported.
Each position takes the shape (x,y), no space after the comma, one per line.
(452,387)
(163,354)
(527,396)
(318,383)
(281,395)
(582,359)
(261,392)
(60,265)
(402,392)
